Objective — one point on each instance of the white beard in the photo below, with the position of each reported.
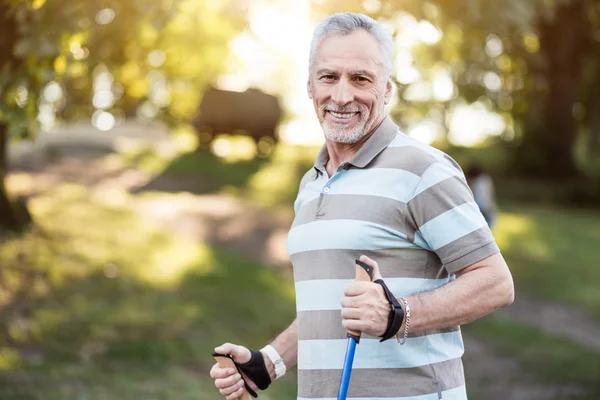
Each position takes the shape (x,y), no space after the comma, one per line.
(339,133)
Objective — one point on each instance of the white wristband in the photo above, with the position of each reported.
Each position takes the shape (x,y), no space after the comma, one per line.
(276,360)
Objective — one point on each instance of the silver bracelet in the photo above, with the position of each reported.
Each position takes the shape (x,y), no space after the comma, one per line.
(407,319)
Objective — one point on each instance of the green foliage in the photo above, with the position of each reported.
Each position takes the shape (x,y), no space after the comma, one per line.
(178,46)
(510,56)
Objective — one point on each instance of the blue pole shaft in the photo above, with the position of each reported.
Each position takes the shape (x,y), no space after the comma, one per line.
(345,382)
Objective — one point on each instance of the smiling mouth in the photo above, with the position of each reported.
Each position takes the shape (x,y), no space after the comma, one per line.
(343,115)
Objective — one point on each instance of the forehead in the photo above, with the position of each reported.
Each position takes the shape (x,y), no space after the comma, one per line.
(358,50)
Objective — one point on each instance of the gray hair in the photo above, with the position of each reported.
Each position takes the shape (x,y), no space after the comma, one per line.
(341,24)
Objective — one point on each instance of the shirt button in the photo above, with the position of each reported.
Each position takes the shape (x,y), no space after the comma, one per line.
(326,190)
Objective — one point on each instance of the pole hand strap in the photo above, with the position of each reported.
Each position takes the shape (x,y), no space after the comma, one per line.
(396,315)
(256,370)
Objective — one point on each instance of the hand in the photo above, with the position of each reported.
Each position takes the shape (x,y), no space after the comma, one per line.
(365,308)
(228,380)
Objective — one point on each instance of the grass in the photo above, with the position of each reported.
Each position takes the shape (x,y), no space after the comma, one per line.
(553,253)
(98,305)
(549,359)
(270,181)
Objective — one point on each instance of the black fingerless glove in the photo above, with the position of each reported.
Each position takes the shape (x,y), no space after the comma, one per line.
(396,315)
(256,370)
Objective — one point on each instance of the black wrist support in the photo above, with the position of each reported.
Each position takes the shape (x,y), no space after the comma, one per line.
(396,315)
(256,370)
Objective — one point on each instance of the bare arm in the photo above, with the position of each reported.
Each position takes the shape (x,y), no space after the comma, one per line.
(478,290)
(286,345)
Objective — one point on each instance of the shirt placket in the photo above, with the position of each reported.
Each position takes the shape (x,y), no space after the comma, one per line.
(329,189)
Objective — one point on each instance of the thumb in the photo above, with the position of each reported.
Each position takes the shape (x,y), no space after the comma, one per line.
(239,353)
(373,264)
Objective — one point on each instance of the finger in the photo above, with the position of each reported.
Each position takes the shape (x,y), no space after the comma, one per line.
(236,395)
(354,325)
(357,288)
(225,348)
(374,265)
(240,354)
(229,390)
(216,372)
(351,302)
(351,313)
(228,382)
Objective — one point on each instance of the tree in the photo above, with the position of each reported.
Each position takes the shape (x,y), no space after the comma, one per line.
(531,61)
(157,53)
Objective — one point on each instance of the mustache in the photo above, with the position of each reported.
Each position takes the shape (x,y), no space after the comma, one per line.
(336,108)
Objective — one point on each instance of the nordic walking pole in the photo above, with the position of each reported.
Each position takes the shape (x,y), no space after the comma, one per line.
(225,361)
(364,272)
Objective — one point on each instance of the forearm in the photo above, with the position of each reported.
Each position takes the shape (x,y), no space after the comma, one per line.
(475,293)
(286,345)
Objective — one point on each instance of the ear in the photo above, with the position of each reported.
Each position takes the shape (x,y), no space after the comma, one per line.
(308,89)
(389,89)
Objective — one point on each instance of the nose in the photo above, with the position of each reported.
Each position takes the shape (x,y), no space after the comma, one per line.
(342,93)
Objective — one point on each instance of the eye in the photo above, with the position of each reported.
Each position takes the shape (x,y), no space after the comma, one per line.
(327,78)
(362,79)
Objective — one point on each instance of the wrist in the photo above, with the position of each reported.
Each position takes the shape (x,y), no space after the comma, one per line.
(402,333)
(395,316)
(270,366)
(277,365)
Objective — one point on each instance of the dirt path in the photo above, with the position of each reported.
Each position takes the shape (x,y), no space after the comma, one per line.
(556,319)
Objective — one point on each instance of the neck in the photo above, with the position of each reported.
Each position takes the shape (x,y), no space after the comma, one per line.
(340,153)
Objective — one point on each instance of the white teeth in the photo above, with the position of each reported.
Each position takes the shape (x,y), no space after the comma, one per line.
(342,115)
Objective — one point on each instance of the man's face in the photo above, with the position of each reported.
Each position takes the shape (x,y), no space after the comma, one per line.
(348,86)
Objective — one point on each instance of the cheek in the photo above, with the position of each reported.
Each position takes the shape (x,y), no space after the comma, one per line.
(319,96)
(376,99)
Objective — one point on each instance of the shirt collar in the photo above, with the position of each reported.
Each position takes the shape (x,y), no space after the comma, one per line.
(379,140)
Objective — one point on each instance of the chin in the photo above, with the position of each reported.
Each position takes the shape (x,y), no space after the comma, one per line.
(339,134)
(344,136)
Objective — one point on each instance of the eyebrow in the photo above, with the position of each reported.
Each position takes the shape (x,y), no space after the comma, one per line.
(326,71)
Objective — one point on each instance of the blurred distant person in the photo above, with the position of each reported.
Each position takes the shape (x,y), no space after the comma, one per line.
(400,206)
(482,187)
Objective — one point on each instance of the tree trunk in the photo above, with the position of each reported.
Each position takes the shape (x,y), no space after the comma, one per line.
(14,216)
(551,140)
(594,125)
(593,114)
(9,219)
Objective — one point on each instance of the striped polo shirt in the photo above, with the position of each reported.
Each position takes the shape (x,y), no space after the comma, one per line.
(407,206)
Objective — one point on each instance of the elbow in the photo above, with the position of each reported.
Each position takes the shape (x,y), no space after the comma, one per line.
(510,297)
(508,292)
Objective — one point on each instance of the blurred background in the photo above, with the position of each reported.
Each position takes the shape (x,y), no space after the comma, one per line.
(151,150)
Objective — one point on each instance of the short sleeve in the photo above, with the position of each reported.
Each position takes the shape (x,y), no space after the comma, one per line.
(446,220)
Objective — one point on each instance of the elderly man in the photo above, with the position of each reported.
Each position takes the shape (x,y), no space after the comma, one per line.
(400,206)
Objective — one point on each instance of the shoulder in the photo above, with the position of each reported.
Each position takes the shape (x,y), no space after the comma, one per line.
(309,176)
(414,156)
